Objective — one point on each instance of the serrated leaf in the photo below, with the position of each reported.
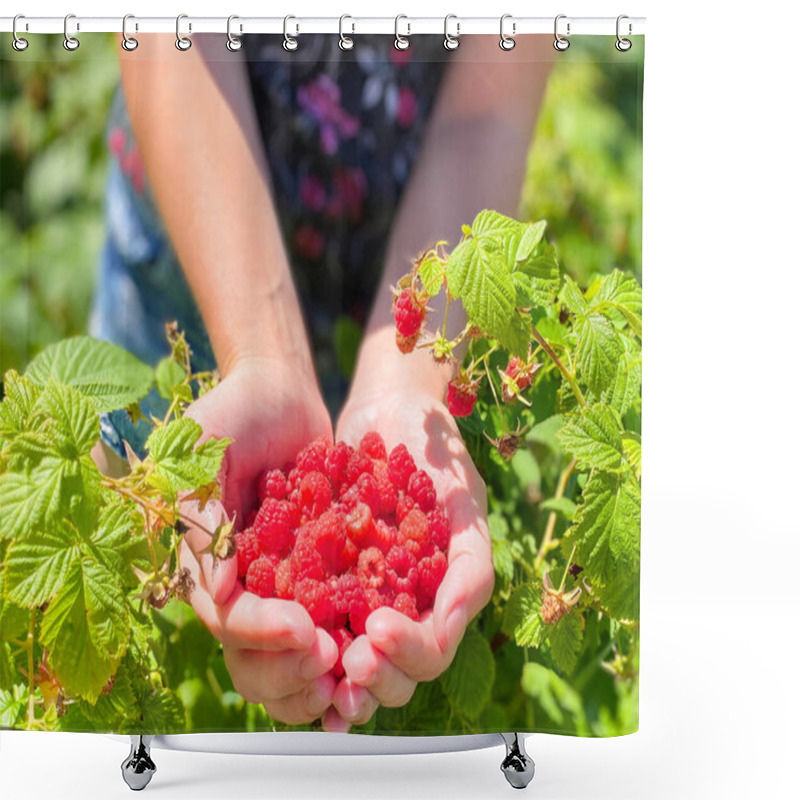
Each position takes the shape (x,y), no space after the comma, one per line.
(628,380)
(523,616)
(117,709)
(598,352)
(118,532)
(607,526)
(573,297)
(85,629)
(18,403)
(566,639)
(30,501)
(162,712)
(13,706)
(108,375)
(468,681)
(594,437)
(560,505)
(75,418)
(431,273)
(516,336)
(557,698)
(623,293)
(168,375)
(35,568)
(632,448)
(532,233)
(543,275)
(172,450)
(502,556)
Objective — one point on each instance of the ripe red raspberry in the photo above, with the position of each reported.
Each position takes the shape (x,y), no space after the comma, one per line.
(293,477)
(260,578)
(401,466)
(413,533)
(387,491)
(275,526)
(406,604)
(343,639)
(461,398)
(431,571)
(439,528)
(373,446)
(284,580)
(372,567)
(382,536)
(329,537)
(317,598)
(401,570)
(350,553)
(312,457)
(359,464)
(314,494)
(420,488)
(250,519)
(247,550)
(369,493)
(272,484)
(361,611)
(349,590)
(405,503)
(305,558)
(336,463)
(359,523)
(409,313)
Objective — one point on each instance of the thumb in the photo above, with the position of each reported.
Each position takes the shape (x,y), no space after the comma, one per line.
(220,573)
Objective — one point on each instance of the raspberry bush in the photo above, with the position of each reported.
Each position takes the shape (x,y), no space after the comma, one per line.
(95,633)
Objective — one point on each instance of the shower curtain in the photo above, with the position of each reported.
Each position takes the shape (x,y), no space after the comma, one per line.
(321,385)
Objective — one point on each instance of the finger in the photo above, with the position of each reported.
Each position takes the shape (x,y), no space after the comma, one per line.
(332,722)
(412,646)
(220,575)
(247,621)
(354,703)
(305,706)
(260,676)
(368,667)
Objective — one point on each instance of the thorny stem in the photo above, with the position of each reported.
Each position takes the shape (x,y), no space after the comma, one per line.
(568,376)
(494,394)
(566,569)
(544,547)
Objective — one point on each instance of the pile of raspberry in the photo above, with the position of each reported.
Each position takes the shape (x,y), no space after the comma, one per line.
(345,531)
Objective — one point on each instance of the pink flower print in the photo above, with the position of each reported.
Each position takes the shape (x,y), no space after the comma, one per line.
(116,142)
(399,57)
(312,193)
(309,242)
(349,191)
(321,99)
(406,107)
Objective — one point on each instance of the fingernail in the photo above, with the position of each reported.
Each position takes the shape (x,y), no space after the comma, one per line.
(317,699)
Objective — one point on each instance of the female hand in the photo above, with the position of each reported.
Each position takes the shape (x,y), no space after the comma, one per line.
(274,653)
(384,666)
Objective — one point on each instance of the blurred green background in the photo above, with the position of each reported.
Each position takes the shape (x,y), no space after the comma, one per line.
(583,175)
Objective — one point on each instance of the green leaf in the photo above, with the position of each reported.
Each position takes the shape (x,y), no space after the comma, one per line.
(469,680)
(543,275)
(117,534)
(76,422)
(623,293)
(35,568)
(477,272)
(566,639)
(594,437)
(523,616)
(169,374)
(85,628)
(502,556)
(632,448)
(628,380)
(29,501)
(598,352)
(556,697)
(431,273)
(573,297)
(561,505)
(172,450)
(17,406)
(108,375)
(13,706)
(607,526)
(532,233)
(162,712)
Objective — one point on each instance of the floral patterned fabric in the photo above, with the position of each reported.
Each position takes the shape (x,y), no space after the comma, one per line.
(341,131)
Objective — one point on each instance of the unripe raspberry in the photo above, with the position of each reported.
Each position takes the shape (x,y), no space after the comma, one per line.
(406,344)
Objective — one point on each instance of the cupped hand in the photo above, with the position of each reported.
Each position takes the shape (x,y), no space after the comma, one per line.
(274,653)
(384,666)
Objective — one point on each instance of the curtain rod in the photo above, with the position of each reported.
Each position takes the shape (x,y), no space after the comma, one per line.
(298,25)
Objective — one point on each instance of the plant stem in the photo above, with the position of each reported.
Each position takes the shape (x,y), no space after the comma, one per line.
(568,376)
(31,682)
(566,569)
(446,312)
(551,520)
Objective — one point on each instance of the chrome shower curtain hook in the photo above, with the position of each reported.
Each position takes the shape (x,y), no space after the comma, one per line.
(128,43)
(560,43)
(401,42)
(346,42)
(506,41)
(234,44)
(623,45)
(182,42)
(18,43)
(70,42)
(289,43)
(451,42)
